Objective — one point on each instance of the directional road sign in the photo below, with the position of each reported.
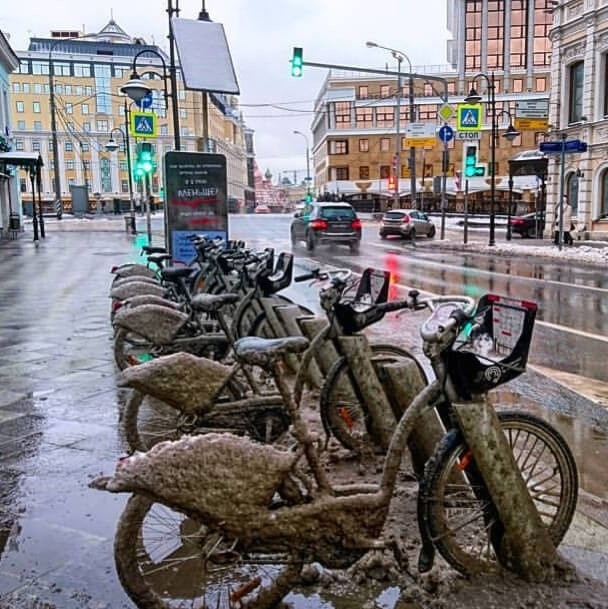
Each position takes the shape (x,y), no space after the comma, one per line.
(568,146)
(445,133)
(143,124)
(468,117)
(145,101)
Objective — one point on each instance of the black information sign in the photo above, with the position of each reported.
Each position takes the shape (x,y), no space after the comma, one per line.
(195,200)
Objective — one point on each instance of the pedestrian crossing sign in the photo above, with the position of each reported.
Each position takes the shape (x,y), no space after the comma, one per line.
(143,124)
(468,117)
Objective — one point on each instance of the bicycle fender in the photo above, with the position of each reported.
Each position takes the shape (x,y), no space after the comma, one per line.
(156,323)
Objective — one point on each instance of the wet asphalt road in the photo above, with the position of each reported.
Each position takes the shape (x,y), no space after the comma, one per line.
(59,410)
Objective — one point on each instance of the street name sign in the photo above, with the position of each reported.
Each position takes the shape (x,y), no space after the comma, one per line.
(468,117)
(531,124)
(566,146)
(531,114)
(420,135)
(143,124)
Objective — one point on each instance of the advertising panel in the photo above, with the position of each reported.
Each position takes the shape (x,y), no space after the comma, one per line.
(195,200)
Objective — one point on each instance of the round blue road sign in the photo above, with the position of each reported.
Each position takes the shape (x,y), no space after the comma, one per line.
(445,133)
(145,101)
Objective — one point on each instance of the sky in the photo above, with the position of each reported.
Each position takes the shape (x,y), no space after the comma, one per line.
(261,35)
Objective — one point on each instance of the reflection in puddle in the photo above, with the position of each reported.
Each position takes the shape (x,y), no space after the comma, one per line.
(589,445)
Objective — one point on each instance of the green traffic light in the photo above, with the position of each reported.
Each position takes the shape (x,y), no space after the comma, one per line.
(469,171)
(297,62)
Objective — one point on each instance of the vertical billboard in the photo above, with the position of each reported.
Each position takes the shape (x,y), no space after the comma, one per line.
(195,200)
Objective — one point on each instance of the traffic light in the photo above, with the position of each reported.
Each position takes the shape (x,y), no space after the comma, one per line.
(145,163)
(297,63)
(308,197)
(471,167)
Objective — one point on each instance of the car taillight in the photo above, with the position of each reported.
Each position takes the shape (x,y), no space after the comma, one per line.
(319,224)
(356,224)
(405,220)
(516,221)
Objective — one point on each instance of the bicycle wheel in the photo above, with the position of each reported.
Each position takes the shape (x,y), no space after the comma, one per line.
(131,349)
(343,413)
(459,512)
(166,560)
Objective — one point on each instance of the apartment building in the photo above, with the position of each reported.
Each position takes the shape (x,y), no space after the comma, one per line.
(88,71)
(579,110)
(354,128)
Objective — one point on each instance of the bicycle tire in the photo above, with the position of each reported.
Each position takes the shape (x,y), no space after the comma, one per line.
(345,418)
(199,564)
(131,348)
(148,421)
(468,548)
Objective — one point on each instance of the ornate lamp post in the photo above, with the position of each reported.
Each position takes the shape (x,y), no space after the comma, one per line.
(472,98)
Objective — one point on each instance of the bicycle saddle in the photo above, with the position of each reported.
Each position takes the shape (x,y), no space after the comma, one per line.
(265,351)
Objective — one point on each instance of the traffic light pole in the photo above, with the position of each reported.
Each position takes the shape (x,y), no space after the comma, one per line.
(148,191)
(129,169)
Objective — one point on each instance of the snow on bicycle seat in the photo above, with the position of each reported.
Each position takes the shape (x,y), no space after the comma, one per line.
(159,257)
(212,302)
(153,249)
(265,351)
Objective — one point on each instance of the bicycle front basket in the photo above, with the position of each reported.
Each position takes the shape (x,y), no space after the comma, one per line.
(493,348)
(281,278)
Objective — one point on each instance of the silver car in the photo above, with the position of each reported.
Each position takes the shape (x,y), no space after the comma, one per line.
(409,223)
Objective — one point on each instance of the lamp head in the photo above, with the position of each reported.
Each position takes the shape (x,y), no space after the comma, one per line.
(511,133)
(370,44)
(473,97)
(111,145)
(135,88)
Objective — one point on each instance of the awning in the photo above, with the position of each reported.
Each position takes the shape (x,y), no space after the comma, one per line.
(20,159)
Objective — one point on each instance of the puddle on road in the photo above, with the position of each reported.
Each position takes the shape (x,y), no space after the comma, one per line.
(588,444)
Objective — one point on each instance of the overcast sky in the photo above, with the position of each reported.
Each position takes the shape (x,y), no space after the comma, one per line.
(261,34)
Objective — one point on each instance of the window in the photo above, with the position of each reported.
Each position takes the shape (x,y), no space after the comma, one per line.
(119,71)
(103,89)
(40,67)
(78,90)
(181,95)
(164,130)
(604,195)
(342,173)
(385,116)
(364,117)
(84,146)
(496,34)
(86,127)
(68,89)
(183,113)
(82,70)
(385,172)
(21,125)
(541,84)
(35,145)
(517,85)
(24,67)
(123,165)
(605,58)
(69,147)
(342,115)
(69,109)
(338,147)
(363,92)
(575,105)
(61,68)
(364,145)
(16,87)
(572,190)
(102,125)
(86,164)
(84,108)
(472,34)
(543,19)
(37,87)
(88,90)
(364,172)
(26,87)
(385,144)
(106,174)
(69,164)
(427,112)
(20,106)
(124,186)
(36,107)
(37,125)
(22,185)
(385,91)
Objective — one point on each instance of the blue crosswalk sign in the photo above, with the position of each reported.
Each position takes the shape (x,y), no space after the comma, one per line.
(468,117)
(143,124)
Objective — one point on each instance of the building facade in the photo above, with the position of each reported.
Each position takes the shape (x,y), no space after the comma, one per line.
(88,71)
(354,128)
(9,194)
(579,110)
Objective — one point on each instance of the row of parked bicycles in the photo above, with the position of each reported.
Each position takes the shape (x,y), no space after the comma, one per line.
(231,488)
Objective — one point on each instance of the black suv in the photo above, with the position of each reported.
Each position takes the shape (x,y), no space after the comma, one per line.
(326,223)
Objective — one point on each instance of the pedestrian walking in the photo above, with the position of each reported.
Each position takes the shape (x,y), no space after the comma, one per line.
(137,202)
(567,225)
(151,203)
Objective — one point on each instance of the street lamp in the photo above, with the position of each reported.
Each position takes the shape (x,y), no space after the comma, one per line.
(112,146)
(308,179)
(400,56)
(137,89)
(511,133)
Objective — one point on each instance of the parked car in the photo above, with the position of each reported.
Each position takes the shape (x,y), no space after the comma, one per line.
(408,223)
(526,225)
(262,209)
(326,222)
